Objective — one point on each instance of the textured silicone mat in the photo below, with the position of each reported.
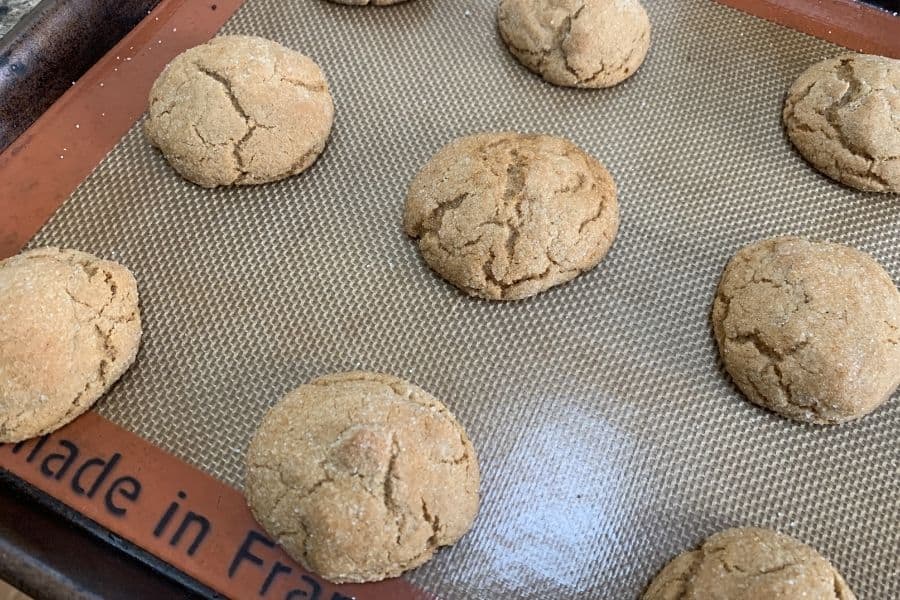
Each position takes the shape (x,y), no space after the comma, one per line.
(610,439)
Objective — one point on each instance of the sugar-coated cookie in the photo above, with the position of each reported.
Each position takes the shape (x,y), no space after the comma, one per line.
(361,476)
(749,564)
(504,216)
(842,115)
(810,330)
(576,43)
(240,110)
(69,328)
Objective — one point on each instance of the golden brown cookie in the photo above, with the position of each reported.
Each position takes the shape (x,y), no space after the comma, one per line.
(69,328)
(361,476)
(749,564)
(810,330)
(504,216)
(576,43)
(240,110)
(843,116)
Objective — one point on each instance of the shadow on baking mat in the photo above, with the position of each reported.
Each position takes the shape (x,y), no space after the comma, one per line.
(608,439)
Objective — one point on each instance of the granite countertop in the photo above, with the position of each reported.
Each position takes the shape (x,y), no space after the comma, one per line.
(13,10)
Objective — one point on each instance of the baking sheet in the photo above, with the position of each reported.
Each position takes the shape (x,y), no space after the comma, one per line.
(610,439)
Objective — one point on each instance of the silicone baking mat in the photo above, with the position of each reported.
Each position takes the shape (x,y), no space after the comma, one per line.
(609,437)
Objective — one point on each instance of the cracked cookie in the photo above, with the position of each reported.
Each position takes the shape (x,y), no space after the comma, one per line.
(576,43)
(240,110)
(810,330)
(749,564)
(69,328)
(843,116)
(504,216)
(361,476)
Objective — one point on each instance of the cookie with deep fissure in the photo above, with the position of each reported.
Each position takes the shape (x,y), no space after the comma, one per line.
(504,216)
(576,43)
(240,110)
(749,563)
(70,328)
(843,116)
(361,476)
(810,330)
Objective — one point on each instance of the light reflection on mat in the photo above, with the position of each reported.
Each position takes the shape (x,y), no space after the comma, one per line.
(549,519)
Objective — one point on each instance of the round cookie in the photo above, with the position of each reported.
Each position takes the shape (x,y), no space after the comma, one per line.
(749,564)
(361,476)
(70,328)
(576,43)
(842,115)
(504,216)
(810,330)
(240,110)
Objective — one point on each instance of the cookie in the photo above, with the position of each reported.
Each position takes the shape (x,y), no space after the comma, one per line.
(749,564)
(70,328)
(576,43)
(361,476)
(810,330)
(240,110)
(842,114)
(504,216)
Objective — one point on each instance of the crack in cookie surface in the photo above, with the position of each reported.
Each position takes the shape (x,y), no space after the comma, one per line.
(804,329)
(240,110)
(357,454)
(83,311)
(749,563)
(504,216)
(576,43)
(843,116)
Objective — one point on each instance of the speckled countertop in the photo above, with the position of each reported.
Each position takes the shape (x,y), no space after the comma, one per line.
(13,10)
